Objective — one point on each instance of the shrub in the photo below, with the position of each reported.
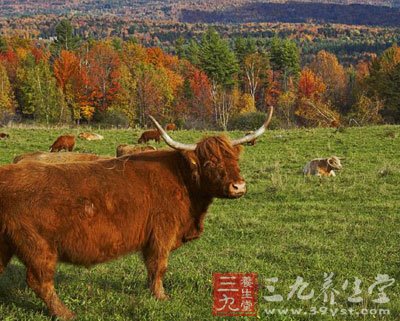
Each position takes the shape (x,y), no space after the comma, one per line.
(250,121)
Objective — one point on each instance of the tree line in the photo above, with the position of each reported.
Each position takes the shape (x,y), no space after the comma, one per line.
(209,83)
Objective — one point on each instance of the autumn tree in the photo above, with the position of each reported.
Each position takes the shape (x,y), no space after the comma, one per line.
(255,66)
(7,103)
(310,106)
(103,71)
(72,80)
(310,85)
(328,68)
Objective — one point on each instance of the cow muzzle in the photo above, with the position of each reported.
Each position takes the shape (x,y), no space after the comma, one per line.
(237,189)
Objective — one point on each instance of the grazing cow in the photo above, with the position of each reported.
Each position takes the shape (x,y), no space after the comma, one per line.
(131,149)
(322,166)
(253,141)
(90,136)
(4,136)
(66,142)
(149,135)
(55,158)
(170,127)
(92,212)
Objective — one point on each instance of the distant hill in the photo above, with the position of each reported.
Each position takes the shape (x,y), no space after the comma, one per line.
(366,12)
(354,14)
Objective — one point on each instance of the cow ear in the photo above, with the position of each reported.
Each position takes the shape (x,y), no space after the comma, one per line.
(193,163)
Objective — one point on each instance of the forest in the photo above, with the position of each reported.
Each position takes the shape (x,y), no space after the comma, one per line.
(209,83)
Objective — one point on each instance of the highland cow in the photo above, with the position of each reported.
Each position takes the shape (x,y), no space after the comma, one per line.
(148,135)
(131,149)
(65,142)
(92,212)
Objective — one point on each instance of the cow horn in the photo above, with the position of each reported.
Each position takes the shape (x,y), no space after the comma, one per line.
(169,141)
(257,133)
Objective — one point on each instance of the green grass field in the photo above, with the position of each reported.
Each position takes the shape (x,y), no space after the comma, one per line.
(286,226)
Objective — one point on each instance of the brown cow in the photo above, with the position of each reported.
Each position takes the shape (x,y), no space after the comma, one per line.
(149,135)
(170,126)
(322,166)
(131,149)
(90,136)
(55,158)
(66,142)
(91,212)
(4,136)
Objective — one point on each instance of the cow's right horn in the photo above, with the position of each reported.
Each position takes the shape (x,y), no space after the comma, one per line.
(257,133)
(170,142)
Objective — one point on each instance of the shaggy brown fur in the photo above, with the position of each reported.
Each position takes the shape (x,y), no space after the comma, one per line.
(170,127)
(131,149)
(149,135)
(92,212)
(4,136)
(66,142)
(55,158)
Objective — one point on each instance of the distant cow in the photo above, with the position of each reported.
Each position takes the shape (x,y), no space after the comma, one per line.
(66,142)
(253,141)
(170,126)
(4,136)
(148,135)
(131,149)
(335,123)
(55,158)
(90,136)
(322,166)
(86,213)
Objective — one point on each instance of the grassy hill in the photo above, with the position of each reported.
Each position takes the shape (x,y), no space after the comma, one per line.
(286,226)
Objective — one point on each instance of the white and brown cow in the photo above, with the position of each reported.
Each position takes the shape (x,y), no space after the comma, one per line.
(323,166)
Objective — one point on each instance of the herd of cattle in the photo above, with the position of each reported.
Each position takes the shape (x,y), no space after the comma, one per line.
(55,207)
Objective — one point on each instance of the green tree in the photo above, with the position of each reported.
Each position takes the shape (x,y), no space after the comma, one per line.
(193,53)
(40,96)
(3,45)
(65,37)
(383,82)
(285,58)
(217,60)
(180,47)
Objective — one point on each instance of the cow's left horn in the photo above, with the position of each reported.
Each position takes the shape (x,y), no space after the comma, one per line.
(257,133)
(170,142)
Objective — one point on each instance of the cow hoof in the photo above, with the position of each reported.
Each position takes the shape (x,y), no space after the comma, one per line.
(66,315)
(162,297)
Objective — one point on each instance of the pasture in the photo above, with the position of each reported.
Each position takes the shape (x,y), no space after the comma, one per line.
(286,226)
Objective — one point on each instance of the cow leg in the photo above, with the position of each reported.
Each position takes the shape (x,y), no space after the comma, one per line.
(156,261)
(40,261)
(6,253)
(40,278)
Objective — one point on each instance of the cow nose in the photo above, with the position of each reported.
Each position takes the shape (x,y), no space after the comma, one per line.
(237,189)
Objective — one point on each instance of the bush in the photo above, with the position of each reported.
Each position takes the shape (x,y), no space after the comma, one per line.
(112,118)
(251,121)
